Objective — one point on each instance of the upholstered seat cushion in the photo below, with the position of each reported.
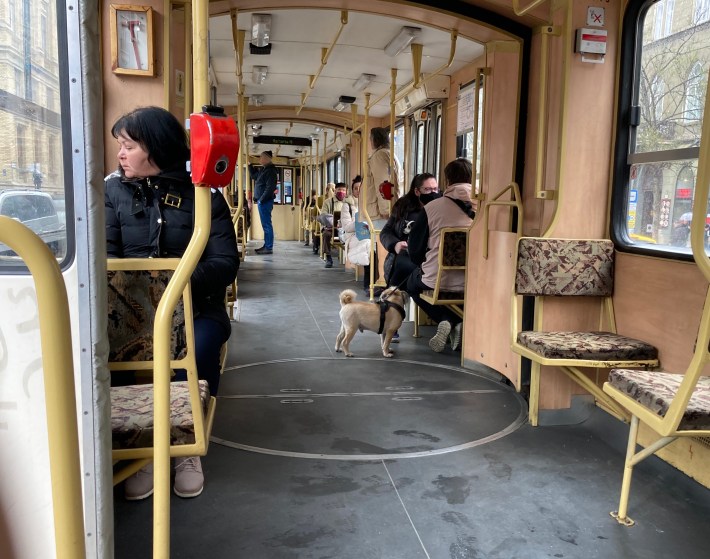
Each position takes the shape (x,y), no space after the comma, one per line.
(444,294)
(132,414)
(596,346)
(656,390)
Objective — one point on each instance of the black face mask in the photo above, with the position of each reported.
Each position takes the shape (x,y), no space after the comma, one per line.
(429,196)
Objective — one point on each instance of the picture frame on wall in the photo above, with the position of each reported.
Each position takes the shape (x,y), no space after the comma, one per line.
(132,40)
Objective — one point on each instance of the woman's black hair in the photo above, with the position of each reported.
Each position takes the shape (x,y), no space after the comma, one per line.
(356,179)
(410,201)
(458,171)
(380,138)
(159,133)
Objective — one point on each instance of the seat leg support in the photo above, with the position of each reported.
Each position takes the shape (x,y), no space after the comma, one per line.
(130,469)
(534,393)
(633,458)
(585,382)
(416,322)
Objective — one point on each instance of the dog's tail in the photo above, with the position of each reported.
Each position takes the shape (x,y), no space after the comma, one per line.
(347,296)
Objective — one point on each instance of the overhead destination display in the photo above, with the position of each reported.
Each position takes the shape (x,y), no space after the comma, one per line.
(281,141)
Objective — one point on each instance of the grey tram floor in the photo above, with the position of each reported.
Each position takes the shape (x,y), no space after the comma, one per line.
(533,493)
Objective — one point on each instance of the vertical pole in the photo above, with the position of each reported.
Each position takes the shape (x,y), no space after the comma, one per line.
(393,95)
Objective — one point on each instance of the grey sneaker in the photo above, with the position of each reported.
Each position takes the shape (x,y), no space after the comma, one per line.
(139,485)
(189,481)
(438,342)
(455,336)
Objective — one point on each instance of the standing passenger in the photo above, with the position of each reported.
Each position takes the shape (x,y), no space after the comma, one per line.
(265,179)
(149,214)
(453,209)
(379,171)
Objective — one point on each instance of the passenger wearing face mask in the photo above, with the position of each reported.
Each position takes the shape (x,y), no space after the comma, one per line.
(453,209)
(395,233)
(330,206)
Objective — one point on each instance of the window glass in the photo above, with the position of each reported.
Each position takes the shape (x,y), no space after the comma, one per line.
(32,182)
(399,143)
(420,149)
(666,116)
(437,151)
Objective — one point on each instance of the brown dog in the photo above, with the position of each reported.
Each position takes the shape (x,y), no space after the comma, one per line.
(384,317)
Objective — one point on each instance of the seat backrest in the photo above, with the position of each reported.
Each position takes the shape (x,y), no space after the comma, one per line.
(133,297)
(563,267)
(453,247)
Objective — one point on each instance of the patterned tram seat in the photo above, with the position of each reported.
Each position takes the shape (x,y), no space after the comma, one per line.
(655,390)
(453,248)
(133,297)
(579,268)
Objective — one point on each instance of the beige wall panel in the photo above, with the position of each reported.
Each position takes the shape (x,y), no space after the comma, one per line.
(124,93)
(660,301)
(284,219)
(489,285)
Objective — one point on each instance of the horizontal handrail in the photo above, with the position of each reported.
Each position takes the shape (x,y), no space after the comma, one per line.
(516,203)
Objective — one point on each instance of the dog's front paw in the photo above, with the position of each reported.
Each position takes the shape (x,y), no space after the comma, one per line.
(390,354)
(338,350)
(348,355)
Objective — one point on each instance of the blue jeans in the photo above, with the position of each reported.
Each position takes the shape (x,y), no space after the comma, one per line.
(210,335)
(265,209)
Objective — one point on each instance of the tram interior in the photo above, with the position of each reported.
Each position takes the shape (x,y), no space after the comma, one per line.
(469,453)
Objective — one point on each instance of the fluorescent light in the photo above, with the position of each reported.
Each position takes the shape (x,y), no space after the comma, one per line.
(339,106)
(260,29)
(402,40)
(258,74)
(363,81)
(258,101)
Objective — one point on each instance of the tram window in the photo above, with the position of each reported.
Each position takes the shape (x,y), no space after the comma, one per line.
(33,185)
(437,150)
(399,143)
(657,154)
(420,149)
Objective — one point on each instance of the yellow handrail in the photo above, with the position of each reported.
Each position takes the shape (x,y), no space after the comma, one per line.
(325,54)
(541,154)
(522,11)
(516,202)
(60,402)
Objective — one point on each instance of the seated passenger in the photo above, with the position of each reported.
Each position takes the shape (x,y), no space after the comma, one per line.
(149,214)
(330,206)
(348,213)
(453,209)
(394,235)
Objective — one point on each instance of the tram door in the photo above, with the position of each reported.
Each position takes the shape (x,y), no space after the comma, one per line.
(284,217)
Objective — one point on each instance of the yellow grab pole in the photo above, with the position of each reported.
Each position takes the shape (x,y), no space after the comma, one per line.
(168,302)
(393,95)
(60,402)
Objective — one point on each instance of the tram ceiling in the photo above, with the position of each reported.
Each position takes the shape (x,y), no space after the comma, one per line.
(298,37)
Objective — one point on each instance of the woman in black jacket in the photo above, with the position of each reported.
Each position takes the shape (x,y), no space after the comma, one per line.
(395,233)
(149,214)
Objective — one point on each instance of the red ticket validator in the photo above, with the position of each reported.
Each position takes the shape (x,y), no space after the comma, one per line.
(214,147)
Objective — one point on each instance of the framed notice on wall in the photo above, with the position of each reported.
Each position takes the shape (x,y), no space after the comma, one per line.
(131,40)
(464,116)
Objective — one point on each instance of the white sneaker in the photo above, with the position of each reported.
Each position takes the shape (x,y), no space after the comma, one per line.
(455,336)
(139,485)
(438,342)
(189,481)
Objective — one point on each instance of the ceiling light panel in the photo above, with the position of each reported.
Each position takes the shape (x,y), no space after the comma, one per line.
(260,29)
(258,74)
(363,81)
(402,40)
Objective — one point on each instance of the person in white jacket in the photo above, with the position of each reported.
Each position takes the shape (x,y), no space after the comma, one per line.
(379,170)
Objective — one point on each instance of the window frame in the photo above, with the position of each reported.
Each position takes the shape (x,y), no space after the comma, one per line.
(630,57)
